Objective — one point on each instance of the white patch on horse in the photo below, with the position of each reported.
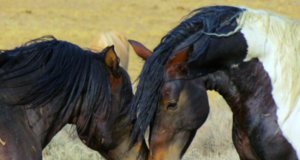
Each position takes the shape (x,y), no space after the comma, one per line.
(275,41)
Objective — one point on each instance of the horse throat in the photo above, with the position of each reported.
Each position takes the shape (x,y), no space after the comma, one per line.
(46,122)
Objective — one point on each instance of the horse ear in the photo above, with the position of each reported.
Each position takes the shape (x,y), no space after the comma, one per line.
(176,66)
(111,59)
(140,49)
(179,57)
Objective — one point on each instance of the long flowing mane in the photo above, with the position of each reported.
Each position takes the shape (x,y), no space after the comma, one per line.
(199,24)
(49,71)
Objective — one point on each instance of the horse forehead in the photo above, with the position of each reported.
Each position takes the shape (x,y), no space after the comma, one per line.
(116,83)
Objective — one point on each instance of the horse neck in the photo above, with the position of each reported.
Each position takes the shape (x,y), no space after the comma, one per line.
(111,128)
(275,41)
(48,120)
(107,135)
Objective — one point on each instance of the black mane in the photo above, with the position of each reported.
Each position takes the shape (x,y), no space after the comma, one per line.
(193,31)
(50,71)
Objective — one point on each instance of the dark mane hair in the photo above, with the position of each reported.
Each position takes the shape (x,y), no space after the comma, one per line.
(193,31)
(50,71)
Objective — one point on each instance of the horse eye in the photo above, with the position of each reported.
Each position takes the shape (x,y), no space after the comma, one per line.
(172,106)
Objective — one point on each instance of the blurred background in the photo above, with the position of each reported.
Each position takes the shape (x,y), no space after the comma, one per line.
(82,21)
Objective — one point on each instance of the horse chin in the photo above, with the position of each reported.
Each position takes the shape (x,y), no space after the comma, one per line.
(172,148)
(165,153)
(124,152)
(161,155)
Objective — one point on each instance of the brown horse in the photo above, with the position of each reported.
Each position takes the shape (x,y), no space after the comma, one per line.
(122,48)
(48,83)
(250,57)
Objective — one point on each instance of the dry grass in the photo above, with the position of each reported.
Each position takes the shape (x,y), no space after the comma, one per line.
(79,21)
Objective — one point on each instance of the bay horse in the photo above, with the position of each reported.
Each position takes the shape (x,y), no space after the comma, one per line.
(122,46)
(250,57)
(47,83)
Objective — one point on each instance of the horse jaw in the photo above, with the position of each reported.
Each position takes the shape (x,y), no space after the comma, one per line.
(275,42)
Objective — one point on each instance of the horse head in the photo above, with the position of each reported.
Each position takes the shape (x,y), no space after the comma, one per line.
(221,45)
(109,130)
(182,109)
(180,112)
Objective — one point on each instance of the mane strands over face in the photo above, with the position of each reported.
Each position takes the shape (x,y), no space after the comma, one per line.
(198,25)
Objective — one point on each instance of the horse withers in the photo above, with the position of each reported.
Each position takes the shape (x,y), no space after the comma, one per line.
(249,57)
(47,83)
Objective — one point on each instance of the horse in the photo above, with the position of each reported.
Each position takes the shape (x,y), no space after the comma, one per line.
(119,40)
(250,57)
(122,46)
(47,83)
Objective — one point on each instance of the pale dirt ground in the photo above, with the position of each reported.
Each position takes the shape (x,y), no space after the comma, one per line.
(80,21)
